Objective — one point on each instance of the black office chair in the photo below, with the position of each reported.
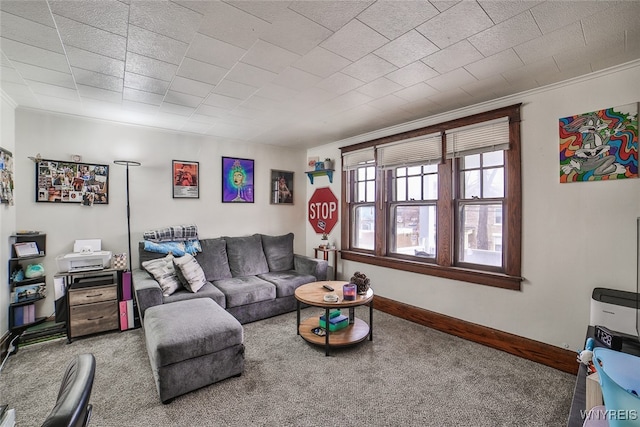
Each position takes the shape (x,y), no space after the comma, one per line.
(72,406)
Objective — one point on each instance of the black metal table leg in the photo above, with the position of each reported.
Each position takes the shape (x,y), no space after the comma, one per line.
(371,321)
(298,317)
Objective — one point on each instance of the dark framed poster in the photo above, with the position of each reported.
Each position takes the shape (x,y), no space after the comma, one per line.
(237,180)
(186,183)
(282,187)
(60,181)
(6,176)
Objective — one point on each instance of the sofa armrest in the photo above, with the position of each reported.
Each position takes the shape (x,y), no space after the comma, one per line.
(147,290)
(307,265)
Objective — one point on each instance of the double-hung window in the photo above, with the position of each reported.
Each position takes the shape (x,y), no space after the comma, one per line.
(444,200)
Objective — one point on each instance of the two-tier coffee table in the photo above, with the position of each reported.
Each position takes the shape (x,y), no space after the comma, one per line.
(313,294)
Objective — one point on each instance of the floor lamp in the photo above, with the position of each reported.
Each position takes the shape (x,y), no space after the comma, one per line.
(128,163)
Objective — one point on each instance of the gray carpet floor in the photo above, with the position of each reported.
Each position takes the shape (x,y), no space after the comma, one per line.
(408,375)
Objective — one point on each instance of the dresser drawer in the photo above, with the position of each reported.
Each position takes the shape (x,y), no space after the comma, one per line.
(88,319)
(93,294)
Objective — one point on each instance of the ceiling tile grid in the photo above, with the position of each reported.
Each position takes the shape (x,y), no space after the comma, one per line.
(295,73)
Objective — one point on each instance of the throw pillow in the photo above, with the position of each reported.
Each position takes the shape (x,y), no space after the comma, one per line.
(246,257)
(165,274)
(279,251)
(213,259)
(175,248)
(190,273)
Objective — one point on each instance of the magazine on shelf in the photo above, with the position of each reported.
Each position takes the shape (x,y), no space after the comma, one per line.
(26,249)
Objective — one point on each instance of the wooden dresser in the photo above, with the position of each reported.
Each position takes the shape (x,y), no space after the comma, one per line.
(93,306)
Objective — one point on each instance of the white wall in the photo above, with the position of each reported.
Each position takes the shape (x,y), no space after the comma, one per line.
(576,236)
(7,213)
(57,137)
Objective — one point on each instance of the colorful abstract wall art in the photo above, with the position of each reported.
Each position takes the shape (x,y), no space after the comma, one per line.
(600,145)
(237,180)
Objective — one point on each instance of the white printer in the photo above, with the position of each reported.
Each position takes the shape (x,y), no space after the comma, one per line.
(615,310)
(87,256)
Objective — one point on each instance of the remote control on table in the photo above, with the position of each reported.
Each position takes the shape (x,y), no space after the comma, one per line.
(327,287)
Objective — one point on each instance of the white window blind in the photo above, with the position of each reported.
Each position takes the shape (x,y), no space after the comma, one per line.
(353,159)
(421,150)
(478,138)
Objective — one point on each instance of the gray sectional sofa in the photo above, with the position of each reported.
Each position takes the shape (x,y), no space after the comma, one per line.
(252,277)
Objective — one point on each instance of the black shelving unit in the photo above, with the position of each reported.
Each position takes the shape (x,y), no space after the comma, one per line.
(17,263)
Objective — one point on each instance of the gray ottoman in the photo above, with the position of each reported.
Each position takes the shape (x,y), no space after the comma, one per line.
(192,344)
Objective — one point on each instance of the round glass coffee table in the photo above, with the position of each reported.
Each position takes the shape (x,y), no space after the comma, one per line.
(313,294)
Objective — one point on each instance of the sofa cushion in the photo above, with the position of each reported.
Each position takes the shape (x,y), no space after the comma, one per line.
(163,270)
(279,251)
(246,257)
(213,259)
(189,272)
(245,290)
(206,291)
(286,282)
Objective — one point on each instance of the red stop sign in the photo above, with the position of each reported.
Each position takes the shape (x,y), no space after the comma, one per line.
(323,210)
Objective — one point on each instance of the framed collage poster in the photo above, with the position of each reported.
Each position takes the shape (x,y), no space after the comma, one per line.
(237,180)
(71,182)
(6,176)
(186,184)
(281,187)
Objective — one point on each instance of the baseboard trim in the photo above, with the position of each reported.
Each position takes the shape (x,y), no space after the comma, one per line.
(546,354)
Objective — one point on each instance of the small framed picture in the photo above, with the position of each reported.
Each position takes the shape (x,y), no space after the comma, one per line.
(186,183)
(237,180)
(281,187)
(26,249)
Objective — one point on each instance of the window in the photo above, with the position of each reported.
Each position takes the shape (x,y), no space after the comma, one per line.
(444,200)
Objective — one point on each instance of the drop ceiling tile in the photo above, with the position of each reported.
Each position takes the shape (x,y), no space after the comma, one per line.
(179,109)
(308,33)
(86,60)
(456,23)
(183,99)
(330,14)
(10,75)
(103,81)
(250,75)
(150,67)
(191,87)
(500,11)
(312,97)
(321,62)
(406,49)
(140,96)
(29,32)
(166,18)
(155,45)
(509,33)
(566,39)
(387,102)
(354,41)
(416,92)
(267,10)
(234,89)
(277,92)
(209,111)
(62,105)
(37,11)
(20,93)
(453,98)
(452,57)
(547,79)
(531,71)
(601,48)
(228,24)
(603,63)
(144,83)
(369,68)
(40,88)
(201,71)
(342,103)
(27,54)
(222,101)
(551,15)
(139,106)
(269,57)
(261,104)
(495,64)
(216,52)
(394,18)
(486,87)
(380,87)
(195,127)
(451,79)
(108,15)
(411,74)
(295,79)
(92,39)
(43,75)
(443,5)
(340,83)
(625,16)
(100,94)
